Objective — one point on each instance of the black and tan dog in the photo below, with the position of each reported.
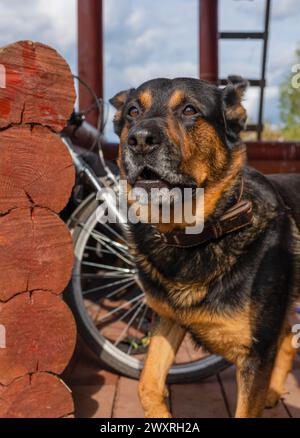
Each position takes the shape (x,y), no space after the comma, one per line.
(232,286)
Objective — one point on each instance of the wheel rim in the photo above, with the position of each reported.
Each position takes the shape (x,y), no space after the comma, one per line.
(121,280)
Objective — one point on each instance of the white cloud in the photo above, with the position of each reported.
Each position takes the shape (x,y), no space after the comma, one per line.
(51,22)
(271,104)
(148,39)
(114,13)
(272,92)
(251,103)
(137,74)
(136,20)
(62,22)
(280,9)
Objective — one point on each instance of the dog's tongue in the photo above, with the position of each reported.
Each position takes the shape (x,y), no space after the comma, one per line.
(158,196)
(149,184)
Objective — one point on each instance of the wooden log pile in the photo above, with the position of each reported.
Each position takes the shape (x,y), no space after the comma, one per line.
(38,333)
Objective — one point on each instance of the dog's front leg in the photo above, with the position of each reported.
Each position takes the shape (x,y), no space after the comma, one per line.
(253,377)
(163,347)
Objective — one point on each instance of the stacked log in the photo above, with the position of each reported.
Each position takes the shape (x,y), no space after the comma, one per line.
(38,332)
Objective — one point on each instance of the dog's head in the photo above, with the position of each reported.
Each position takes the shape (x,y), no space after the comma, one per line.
(179,132)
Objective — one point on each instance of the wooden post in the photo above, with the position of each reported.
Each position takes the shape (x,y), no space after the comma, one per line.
(90,54)
(209,40)
(36,254)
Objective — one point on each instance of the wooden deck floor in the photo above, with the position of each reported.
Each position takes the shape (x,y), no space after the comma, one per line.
(100,394)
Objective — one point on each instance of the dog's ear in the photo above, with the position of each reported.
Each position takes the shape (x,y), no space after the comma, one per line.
(118,101)
(235,114)
(120,98)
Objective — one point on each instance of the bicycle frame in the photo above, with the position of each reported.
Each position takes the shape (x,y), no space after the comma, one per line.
(83,169)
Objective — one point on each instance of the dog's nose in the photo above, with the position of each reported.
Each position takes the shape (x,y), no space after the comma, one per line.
(144,140)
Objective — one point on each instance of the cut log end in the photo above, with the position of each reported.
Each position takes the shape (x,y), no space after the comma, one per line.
(36,252)
(35,169)
(41,395)
(37,86)
(40,335)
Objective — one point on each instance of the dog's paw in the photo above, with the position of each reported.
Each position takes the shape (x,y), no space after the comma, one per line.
(273,397)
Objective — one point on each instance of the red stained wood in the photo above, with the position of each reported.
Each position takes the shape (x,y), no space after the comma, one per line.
(126,403)
(35,168)
(40,335)
(228,379)
(91,402)
(90,53)
(208,40)
(39,86)
(273,150)
(292,398)
(274,157)
(36,252)
(198,400)
(275,166)
(41,395)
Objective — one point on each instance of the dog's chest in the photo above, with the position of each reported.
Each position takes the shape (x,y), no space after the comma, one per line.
(227,335)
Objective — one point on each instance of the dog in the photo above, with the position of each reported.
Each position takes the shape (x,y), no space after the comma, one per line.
(232,287)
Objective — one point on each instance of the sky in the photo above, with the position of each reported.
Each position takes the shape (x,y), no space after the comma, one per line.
(154,38)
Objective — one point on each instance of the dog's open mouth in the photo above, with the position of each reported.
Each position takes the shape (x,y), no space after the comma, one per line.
(148,179)
(160,190)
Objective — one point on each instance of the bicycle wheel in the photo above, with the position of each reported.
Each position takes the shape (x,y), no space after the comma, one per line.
(109,305)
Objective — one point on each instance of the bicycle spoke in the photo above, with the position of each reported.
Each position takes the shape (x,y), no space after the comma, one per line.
(110,244)
(97,320)
(94,249)
(101,275)
(129,311)
(124,287)
(105,286)
(112,312)
(115,252)
(114,232)
(129,324)
(97,235)
(108,267)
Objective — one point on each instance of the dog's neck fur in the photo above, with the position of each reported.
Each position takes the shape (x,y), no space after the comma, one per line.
(218,196)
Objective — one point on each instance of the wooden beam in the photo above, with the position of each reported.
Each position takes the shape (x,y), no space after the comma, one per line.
(241,35)
(90,54)
(208,44)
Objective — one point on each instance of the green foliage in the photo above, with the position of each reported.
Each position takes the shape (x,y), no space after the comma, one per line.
(290,103)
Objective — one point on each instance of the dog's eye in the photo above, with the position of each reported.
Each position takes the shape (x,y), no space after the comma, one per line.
(133,112)
(189,110)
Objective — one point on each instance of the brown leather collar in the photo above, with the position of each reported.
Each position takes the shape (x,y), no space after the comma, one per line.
(236,217)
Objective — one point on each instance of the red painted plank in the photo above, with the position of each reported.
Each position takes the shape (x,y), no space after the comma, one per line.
(292,399)
(229,385)
(198,400)
(93,401)
(127,404)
